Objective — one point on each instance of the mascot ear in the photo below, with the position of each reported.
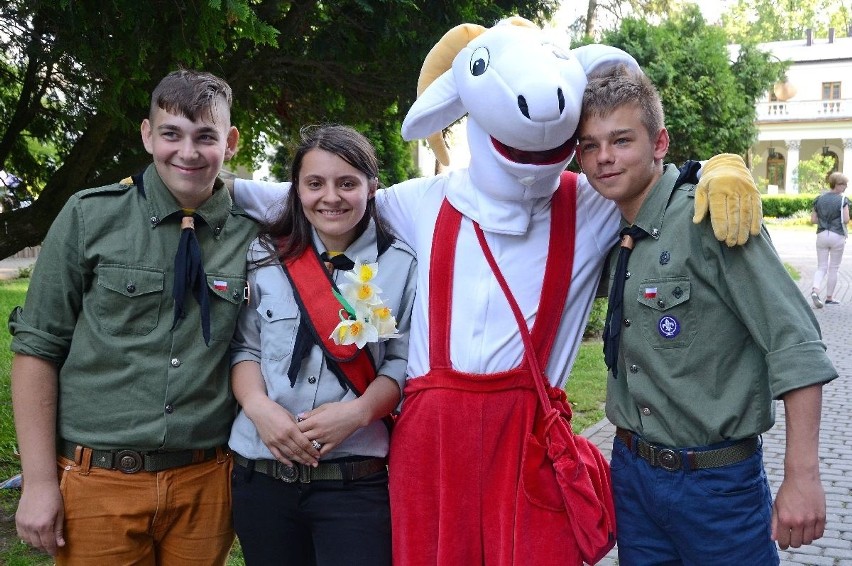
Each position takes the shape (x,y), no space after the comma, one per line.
(438,104)
(596,57)
(435,109)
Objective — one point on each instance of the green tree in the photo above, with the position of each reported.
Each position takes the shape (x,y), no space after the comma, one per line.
(709,102)
(75,77)
(812,174)
(770,20)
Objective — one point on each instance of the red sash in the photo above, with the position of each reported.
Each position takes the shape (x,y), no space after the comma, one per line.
(312,287)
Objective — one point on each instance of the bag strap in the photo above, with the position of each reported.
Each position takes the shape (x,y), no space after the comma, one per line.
(555,286)
(566,217)
(529,351)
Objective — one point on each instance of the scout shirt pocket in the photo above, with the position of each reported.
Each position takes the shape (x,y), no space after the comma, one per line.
(226,296)
(666,315)
(279,321)
(128,299)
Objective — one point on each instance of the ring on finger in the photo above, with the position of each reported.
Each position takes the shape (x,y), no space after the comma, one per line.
(316,444)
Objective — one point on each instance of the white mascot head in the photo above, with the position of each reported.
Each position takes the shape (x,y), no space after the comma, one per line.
(522,88)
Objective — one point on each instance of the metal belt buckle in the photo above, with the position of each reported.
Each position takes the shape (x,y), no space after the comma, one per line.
(288,474)
(668,459)
(128,461)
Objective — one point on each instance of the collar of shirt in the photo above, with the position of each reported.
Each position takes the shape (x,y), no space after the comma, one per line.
(161,204)
(653,210)
(364,248)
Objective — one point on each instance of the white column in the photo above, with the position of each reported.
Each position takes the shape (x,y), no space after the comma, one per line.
(847,157)
(791,177)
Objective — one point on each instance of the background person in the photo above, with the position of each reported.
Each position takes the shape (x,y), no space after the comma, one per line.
(710,337)
(831,215)
(120,377)
(300,420)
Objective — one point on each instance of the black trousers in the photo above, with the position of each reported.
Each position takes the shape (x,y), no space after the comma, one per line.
(322,523)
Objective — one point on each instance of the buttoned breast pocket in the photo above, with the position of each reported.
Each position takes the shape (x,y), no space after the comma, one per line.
(128,299)
(666,314)
(226,295)
(279,321)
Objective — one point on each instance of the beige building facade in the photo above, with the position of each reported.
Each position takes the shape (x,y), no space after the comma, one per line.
(809,114)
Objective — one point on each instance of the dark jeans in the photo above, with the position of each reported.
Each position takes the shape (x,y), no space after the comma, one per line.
(713,517)
(322,523)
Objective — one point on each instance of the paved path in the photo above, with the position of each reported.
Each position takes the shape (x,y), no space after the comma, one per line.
(835,549)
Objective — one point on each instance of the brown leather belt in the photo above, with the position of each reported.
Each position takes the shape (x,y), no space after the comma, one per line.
(347,471)
(132,461)
(673,460)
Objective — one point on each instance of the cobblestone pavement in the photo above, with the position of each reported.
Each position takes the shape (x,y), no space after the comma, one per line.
(835,548)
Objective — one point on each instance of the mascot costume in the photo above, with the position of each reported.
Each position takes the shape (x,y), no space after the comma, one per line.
(467,481)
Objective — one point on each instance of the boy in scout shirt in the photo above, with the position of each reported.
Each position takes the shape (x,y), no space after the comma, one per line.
(120,375)
(703,343)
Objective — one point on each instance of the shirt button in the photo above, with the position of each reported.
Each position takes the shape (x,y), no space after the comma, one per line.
(236,295)
(268,313)
(175,363)
(634,368)
(627,322)
(131,288)
(217,230)
(627,275)
(170,409)
(155,220)
(646,411)
(662,303)
(312,379)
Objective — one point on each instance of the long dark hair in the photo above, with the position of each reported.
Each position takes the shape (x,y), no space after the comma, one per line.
(292,224)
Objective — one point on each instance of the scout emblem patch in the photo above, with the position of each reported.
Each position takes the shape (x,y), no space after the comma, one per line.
(668,326)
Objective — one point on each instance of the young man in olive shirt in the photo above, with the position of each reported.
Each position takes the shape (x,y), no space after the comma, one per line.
(120,377)
(710,336)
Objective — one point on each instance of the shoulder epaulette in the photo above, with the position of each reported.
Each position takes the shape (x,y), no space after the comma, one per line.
(121,187)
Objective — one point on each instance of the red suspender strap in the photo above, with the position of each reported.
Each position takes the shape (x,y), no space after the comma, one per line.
(560,266)
(441,270)
(312,287)
(555,287)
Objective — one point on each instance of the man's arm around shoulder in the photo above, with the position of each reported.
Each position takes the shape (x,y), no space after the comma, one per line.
(40,513)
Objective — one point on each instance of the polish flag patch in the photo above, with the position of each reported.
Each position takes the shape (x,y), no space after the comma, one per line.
(650,292)
(220,285)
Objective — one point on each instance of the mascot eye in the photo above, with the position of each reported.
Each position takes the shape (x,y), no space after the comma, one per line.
(479,61)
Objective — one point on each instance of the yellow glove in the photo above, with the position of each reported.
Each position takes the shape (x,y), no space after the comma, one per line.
(727,190)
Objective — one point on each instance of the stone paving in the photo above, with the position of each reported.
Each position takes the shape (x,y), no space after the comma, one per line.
(835,548)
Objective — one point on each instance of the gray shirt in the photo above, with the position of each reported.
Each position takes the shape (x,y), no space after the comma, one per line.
(266,334)
(828,208)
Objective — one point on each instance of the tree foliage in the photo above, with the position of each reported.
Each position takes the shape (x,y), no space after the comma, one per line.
(75,77)
(709,102)
(771,20)
(812,174)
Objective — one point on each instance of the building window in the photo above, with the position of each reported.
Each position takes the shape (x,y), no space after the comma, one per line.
(775,168)
(831,91)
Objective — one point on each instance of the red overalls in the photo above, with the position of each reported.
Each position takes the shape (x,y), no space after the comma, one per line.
(456,450)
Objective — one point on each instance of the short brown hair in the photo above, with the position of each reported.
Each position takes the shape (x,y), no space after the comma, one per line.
(192,94)
(835,178)
(610,89)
